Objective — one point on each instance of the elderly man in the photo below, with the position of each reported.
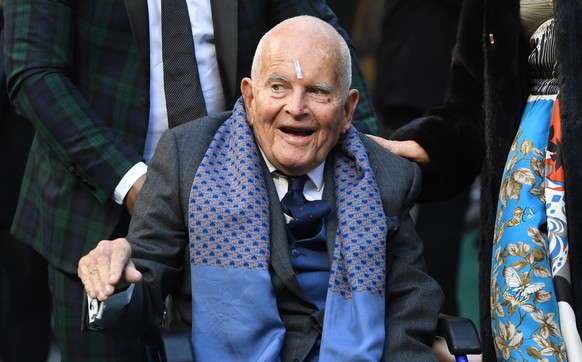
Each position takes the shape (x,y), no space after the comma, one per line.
(259,272)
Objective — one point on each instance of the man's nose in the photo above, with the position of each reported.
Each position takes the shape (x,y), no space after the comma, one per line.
(298,104)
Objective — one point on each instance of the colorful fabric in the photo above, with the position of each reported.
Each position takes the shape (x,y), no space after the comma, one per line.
(230,255)
(525,317)
(554,186)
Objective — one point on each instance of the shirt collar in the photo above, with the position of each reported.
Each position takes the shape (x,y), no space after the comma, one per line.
(315,175)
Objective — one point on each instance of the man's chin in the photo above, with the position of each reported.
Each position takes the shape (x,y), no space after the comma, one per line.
(294,167)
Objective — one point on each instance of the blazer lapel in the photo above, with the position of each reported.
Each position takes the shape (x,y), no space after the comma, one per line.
(225,20)
(331,219)
(137,13)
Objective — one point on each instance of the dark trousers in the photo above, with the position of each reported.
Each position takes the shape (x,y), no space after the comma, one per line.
(25,302)
(441,226)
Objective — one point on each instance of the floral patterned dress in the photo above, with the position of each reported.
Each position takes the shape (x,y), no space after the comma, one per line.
(530,277)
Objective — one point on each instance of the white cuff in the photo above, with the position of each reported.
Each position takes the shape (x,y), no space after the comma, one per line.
(134,173)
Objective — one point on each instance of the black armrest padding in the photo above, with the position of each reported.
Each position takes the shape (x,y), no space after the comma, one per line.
(460,334)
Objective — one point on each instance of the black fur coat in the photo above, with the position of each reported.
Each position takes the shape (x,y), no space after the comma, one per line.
(471,133)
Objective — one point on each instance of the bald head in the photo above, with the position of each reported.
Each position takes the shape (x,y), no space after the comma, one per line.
(298,102)
(312,33)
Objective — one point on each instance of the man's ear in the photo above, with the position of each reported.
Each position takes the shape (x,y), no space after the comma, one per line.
(246,89)
(349,108)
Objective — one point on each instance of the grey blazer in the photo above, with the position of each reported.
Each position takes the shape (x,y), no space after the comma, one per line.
(159,237)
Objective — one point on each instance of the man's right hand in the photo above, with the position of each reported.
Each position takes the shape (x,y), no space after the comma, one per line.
(107,268)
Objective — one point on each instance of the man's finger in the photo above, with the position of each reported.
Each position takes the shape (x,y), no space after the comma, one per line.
(131,274)
(120,259)
(83,272)
(93,275)
(103,266)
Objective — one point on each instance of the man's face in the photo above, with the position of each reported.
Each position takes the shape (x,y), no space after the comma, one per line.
(296,108)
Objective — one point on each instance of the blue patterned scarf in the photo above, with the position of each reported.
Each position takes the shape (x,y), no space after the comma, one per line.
(234,309)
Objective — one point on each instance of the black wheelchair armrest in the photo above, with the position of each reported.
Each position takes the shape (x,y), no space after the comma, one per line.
(460,334)
(168,345)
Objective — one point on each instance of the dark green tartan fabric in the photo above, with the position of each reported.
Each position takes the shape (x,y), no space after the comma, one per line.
(74,71)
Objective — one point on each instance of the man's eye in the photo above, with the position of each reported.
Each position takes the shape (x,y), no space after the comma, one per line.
(277,90)
(320,95)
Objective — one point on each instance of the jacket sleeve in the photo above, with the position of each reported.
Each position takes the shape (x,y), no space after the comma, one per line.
(46,70)
(158,232)
(365,119)
(413,298)
(158,238)
(453,134)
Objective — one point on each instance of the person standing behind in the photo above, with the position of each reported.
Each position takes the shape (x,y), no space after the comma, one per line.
(512,113)
(413,61)
(25,308)
(89,75)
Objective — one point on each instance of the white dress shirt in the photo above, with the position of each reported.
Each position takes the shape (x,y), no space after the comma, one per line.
(203,34)
(313,189)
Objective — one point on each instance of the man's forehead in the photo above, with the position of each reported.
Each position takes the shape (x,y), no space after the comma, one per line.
(291,48)
(286,68)
(287,77)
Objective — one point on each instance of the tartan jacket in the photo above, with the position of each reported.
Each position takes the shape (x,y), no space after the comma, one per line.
(79,72)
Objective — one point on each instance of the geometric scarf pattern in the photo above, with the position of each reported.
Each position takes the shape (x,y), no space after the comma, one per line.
(229,230)
(359,250)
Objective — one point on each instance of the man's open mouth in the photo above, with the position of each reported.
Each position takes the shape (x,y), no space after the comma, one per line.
(297,131)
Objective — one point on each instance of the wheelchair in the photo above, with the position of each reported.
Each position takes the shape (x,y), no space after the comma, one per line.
(171,345)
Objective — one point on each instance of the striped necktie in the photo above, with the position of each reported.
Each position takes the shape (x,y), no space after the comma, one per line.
(184,98)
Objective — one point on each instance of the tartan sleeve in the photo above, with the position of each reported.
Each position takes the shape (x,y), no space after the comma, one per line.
(44,72)
(365,119)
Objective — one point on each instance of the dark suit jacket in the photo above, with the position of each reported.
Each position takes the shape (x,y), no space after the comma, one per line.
(414,55)
(15,138)
(79,71)
(159,238)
